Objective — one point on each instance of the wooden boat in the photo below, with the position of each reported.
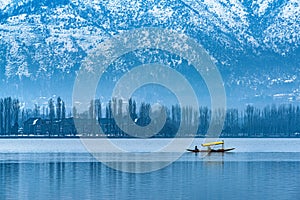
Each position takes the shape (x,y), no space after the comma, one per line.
(194,150)
(212,150)
(209,149)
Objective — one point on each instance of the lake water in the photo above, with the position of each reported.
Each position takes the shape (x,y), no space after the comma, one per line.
(64,169)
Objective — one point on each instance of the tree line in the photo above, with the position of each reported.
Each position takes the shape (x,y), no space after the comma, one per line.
(12,116)
(269,121)
(9,115)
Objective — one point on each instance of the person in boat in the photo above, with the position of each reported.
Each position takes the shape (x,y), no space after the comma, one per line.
(196,148)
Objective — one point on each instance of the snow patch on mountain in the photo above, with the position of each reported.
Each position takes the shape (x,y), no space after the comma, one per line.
(228,16)
(4,3)
(261,6)
(283,35)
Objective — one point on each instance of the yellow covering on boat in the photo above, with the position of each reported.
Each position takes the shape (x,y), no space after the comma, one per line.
(212,143)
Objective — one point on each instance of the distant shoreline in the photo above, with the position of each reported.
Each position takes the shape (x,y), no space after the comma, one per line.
(112,137)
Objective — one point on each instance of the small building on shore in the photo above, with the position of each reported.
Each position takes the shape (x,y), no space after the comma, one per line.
(45,127)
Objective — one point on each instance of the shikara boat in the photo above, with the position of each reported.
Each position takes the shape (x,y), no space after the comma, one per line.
(209,149)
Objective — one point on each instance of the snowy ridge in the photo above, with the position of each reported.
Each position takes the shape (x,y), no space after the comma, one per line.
(69,29)
(230,17)
(49,39)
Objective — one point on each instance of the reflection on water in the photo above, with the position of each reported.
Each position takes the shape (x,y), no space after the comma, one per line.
(79,176)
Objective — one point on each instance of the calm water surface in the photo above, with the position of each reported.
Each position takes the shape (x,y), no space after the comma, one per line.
(63,169)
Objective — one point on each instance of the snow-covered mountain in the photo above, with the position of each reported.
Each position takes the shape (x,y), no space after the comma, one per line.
(255,44)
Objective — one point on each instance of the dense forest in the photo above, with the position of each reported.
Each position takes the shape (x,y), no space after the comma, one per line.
(52,120)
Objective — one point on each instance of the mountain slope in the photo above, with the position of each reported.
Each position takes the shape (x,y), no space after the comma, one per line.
(255,44)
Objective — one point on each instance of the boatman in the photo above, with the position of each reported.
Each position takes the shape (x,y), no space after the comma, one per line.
(196,148)
(209,148)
